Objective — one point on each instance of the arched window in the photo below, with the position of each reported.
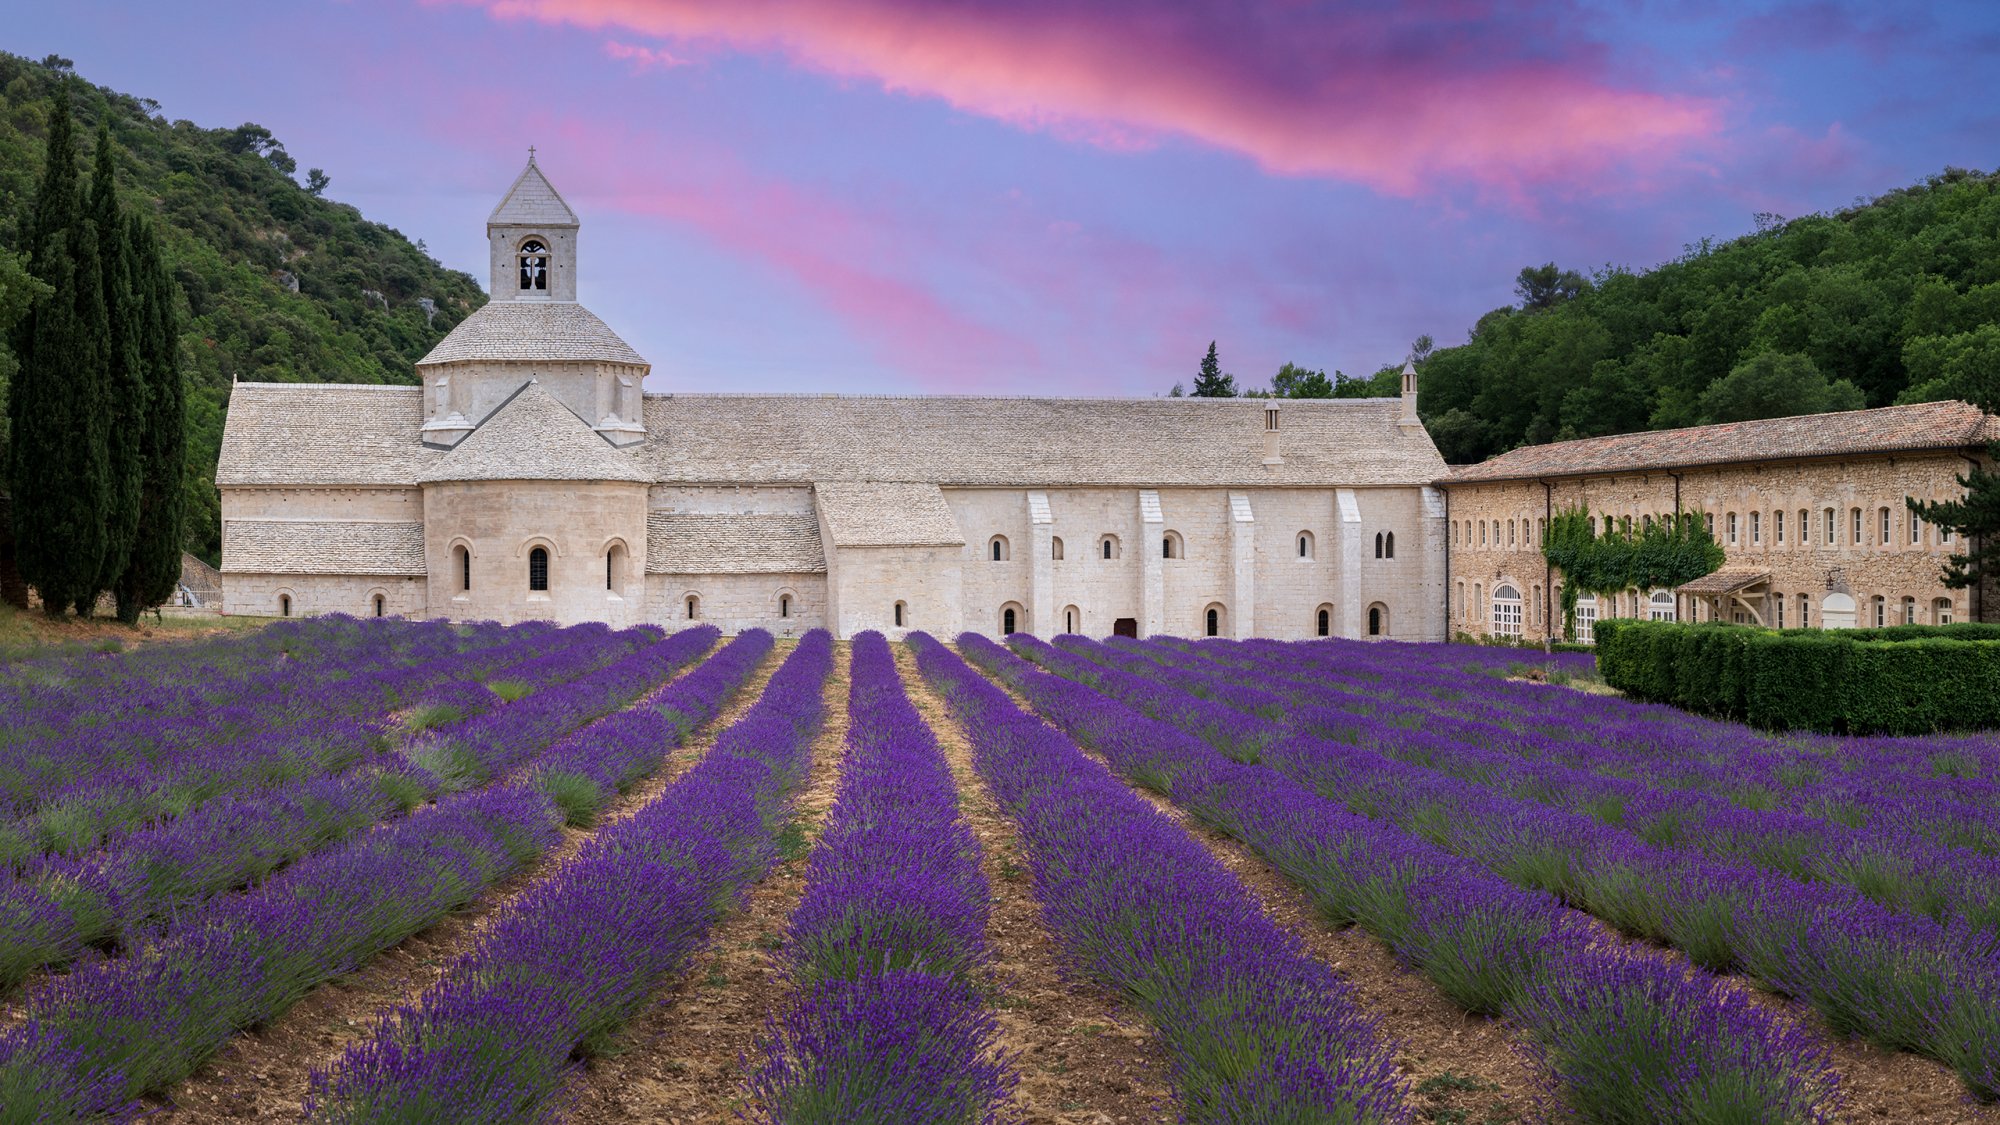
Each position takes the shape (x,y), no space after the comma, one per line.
(1007,621)
(1305,544)
(1506,611)
(462,557)
(538,569)
(1072,618)
(1323,622)
(1055,548)
(784,605)
(614,566)
(1378,620)
(1881,607)
(901,613)
(1941,611)
(1171,547)
(381,606)
(1211,620)
(1378,540)
(1660,607)
(1909,611)
(1884,521)
(693,607)
(1510,533)
(1390,540)
(534,257)
(1107,547)
(284,605)
(1479,602)
(997,549)
(1805,611)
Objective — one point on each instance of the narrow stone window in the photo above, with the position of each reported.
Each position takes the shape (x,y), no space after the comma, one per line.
(1214,622)
(1055,548)
(1390,539)
(1756,527)
(1375,621)
(1855,519)
(785,606)
(1306,544)
(997,548)
(538,569)
(1881,607)
(464,559)
(1778,526)
(1325,622)
(1941,611)
(1909,611)
(1107,548)
(899,615)
(534,258)
(1007,621)
(1805,611)
(1171,546)
(1826,522)
(1731,523)
(284,605)
(1805,528)
(1378,540)
(1069,619)
(1778,610)
(1916,529)
(381,605)
(693,607)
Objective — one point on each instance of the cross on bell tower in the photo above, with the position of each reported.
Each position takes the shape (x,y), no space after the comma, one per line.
(531,236)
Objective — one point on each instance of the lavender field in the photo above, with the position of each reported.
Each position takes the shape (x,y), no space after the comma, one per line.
(381,871)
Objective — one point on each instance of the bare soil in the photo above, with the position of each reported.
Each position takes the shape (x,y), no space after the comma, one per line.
(684,1058)
(265,1072)
(1084,1057)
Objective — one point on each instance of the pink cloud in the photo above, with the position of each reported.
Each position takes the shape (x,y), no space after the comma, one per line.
(1491,92)
(642,58)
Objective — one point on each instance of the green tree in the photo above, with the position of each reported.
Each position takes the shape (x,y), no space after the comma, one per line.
(1545,286)
(58,462)
(1970,371)
(122,385)
(1773,385)
(316,185)
(1210,382)
(1293,381)
(154,569)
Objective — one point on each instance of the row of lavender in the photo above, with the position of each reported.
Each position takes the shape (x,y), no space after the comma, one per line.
(1255,1029)
(112,1030)
(1905,981)
(1622,1036)
(887,949)
(576,956)
(1882,842)
(52,910)
(73,792)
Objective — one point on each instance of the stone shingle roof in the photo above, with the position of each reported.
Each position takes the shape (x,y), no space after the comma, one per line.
(326,434)
(703,543)
(1888,429)
(322,547)
(323,433)
(532,437)
(532,331)
(1725,581)
(533,201)
(1031,442)
(876,514)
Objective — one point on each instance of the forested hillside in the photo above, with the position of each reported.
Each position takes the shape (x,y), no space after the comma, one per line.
(1895,300)
(281,284)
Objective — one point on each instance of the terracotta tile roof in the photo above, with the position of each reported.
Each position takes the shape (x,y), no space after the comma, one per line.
(323,433)
(532,437)
(875,514)
(759,543)
(1888,429)
(533,201)
(1728,580)
(530,331)
(322,547)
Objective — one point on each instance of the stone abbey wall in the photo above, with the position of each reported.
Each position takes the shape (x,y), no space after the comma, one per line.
(1495,527)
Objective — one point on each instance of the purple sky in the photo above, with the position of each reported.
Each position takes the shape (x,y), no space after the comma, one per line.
(1044,196)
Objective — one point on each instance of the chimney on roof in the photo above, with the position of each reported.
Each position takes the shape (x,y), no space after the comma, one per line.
(1408,419)
(1272,455)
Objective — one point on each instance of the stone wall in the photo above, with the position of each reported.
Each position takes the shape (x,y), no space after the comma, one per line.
(785,604)
(1495,528)
(312,595)
(501,522)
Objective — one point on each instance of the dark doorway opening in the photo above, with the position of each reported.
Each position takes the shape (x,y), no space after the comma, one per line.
(1125,627)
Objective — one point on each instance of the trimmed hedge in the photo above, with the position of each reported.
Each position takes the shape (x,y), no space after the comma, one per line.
(1911,679)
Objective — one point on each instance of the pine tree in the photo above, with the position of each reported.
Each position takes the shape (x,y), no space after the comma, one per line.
(57,465)
(1210,382)
(155,567)
(123,388)
(1975,520)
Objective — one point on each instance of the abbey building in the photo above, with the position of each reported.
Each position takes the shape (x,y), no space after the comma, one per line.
(530,476)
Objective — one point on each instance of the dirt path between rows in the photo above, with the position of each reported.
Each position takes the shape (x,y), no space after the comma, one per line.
(265,1073)
(1461,1067)
(1084,1058)
(682,1059)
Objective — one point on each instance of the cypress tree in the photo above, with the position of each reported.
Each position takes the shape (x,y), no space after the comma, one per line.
(58,464)
(1210,382)
(123,403)
(155,567)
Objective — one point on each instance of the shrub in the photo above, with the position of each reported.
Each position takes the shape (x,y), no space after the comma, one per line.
(1905,680)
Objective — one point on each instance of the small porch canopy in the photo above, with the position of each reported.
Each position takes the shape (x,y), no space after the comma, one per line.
(1732,588)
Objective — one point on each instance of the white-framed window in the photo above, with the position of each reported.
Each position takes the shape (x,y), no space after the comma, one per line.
(1506,611)
(1883,516)
(1731,524)
(1660,607)
(1778,610)
(1941,611)
(1586,621)
(1854,518)
(1756,527)
(1805,611)
(1909,611)
(1826,520)
(1881,605)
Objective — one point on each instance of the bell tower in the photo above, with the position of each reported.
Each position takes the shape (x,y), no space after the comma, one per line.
(531,237)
